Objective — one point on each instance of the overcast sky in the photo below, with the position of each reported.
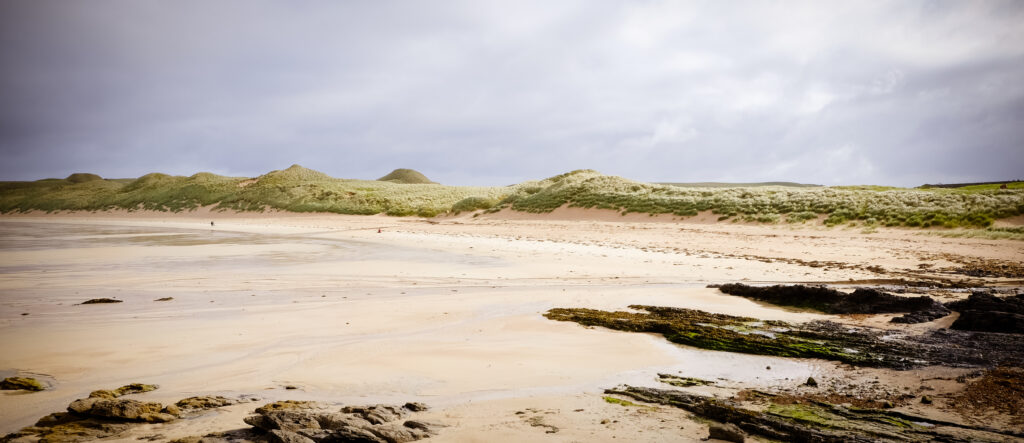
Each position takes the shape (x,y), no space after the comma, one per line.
(488,93)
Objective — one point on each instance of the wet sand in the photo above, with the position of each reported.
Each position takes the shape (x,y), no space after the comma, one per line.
(445,312)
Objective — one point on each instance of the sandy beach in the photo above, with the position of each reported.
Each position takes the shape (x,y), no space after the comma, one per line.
(447,311)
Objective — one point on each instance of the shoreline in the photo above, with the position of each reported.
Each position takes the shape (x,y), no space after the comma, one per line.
(265,301)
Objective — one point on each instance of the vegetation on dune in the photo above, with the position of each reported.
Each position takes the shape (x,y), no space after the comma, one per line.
(296,189)
(739,185)
(406,192)
(871,206)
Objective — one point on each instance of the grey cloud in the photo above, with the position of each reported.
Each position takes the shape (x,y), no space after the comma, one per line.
(898,92)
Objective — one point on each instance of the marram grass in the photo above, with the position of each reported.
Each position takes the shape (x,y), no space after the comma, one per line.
(298,189)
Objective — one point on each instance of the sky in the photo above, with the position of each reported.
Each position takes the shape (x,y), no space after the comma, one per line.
(478,92)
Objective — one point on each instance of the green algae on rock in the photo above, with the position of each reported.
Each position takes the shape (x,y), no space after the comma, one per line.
(21,383)
(134,388)
(682,382)
(818,339)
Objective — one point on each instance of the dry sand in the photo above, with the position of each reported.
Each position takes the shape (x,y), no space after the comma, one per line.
(447,312)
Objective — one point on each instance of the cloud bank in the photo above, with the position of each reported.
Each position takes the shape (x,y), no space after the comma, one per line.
(488,93)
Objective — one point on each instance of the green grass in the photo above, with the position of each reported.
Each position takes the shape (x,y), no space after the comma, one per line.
(990,233)
(739,185)
(872,205)
(298,189)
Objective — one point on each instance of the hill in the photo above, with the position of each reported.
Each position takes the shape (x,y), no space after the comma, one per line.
(299,189)
(406,176)
(295,189)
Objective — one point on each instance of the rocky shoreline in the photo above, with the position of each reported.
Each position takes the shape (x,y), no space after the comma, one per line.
(987,335)
(104,414)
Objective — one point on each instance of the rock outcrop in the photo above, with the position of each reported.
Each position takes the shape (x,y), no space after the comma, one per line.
(292,421)
(830,301)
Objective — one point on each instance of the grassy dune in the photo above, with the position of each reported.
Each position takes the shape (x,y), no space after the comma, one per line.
(295,189)
(974,206)
(298,189)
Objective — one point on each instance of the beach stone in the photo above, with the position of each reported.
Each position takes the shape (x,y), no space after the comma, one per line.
(416,406)
(811,382)
(21,383)
(727,432)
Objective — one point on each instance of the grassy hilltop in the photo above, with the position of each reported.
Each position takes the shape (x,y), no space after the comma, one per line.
(407,192)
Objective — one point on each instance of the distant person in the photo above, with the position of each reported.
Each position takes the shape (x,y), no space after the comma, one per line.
(211,223)
(378,230)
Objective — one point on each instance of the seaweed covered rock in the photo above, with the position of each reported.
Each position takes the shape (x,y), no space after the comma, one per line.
(819,339)
(831,301)
(989,313)
(134,388)
(21,383)
(204,402)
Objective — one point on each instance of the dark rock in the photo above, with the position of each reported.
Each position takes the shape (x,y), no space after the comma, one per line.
(985,312)
(831,301)
(727,432)
(415,406)
(93,301)
(21,383)
(164,299)
(416,425)
(982,321)
(926,400)
(811,382)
